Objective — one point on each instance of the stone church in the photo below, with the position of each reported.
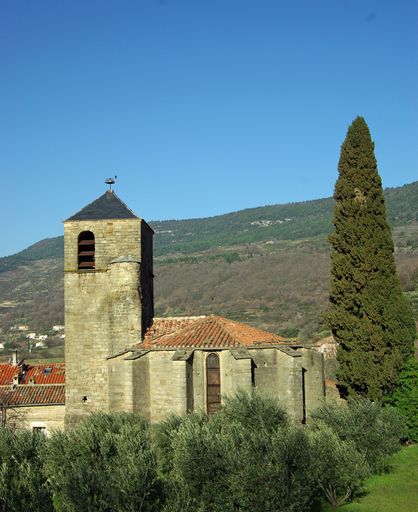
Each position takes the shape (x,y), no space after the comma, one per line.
(118,357)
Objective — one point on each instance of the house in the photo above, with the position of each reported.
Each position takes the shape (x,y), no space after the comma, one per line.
(33,396)
(19,328)
(120,358)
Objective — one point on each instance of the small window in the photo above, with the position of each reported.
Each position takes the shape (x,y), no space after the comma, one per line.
(39,430)
(47,370)
(86,249)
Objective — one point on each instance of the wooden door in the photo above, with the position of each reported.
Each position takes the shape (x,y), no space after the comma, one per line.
(213,383)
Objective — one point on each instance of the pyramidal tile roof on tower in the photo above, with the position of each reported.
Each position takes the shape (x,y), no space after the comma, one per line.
(107,206)
(208,331)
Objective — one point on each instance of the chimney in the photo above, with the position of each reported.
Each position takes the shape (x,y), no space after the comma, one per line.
(14,358)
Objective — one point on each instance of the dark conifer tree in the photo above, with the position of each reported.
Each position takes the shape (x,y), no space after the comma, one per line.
(369,317)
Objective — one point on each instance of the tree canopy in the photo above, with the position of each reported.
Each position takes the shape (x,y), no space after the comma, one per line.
(370,318)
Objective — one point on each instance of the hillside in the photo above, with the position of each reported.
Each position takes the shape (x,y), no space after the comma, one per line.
(268,266)
(293,221)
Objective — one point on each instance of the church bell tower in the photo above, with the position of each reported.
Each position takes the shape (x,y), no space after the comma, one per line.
(109,299)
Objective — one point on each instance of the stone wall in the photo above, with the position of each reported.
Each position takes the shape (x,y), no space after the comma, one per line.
(121,389)
(313,363)
(141,387)
(199,380)
(113,238)
(235,373)
(86,343)
(279,375)
(50,417)
(168,388)
(161,385)
(124,303)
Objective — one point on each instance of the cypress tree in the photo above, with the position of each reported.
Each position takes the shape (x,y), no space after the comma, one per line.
(370,318)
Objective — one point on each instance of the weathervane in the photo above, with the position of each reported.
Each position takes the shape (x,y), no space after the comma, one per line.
(110,182)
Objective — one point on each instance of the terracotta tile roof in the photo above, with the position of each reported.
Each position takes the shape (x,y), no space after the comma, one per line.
(161,326)
(52,373)
(210,331)
(33,395)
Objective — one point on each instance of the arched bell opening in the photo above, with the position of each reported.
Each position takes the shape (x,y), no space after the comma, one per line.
(86,249)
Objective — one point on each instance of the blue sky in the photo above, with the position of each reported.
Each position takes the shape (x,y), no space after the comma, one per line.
(199,107)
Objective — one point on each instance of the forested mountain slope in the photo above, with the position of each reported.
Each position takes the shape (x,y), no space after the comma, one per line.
(268,266)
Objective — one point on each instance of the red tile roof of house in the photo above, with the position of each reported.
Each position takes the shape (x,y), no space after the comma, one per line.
(209,331)
(52,373)
(32,395)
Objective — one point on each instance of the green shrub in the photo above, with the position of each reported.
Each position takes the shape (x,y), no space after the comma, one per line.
(163,434)
(340,469)
(104,464)
(275,472)
(22,483)
(375,430)
(248,458)
(254,411)
(405,397)
(203,462)
(244,458)
(176,493)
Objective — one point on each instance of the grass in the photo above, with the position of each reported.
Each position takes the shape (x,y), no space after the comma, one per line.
(396,491)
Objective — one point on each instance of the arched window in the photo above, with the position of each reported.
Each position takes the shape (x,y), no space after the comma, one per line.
(86,251)
(213,383)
